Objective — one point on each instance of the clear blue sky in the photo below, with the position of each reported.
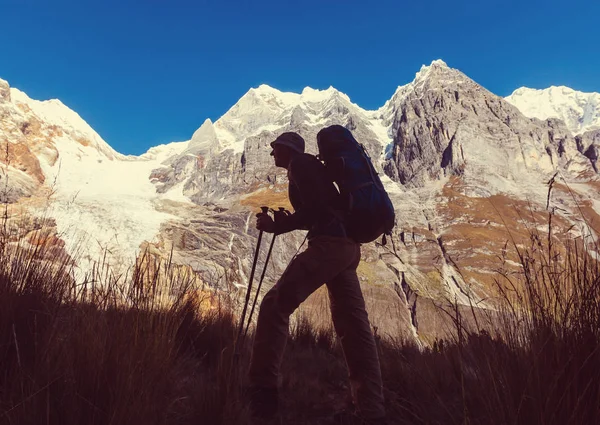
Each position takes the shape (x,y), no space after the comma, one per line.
(149,72)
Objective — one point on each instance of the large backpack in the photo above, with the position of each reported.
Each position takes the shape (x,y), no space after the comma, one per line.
(368,211)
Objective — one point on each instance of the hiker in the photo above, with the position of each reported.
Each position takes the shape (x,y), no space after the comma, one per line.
(331,258)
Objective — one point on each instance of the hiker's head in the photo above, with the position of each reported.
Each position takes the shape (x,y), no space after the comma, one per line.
(332,140)
(285,147)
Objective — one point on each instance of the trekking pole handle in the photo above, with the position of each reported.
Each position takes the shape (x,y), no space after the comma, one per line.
(264,210)
(281,212)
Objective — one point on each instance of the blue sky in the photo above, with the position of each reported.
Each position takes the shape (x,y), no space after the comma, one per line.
(149,72)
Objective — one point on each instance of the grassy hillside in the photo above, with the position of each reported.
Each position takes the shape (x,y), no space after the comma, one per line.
(139,349)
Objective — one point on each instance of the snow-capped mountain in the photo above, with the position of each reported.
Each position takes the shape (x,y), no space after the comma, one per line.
(99,199)
(580,111)
(53,112)
(459,162)
(267,109)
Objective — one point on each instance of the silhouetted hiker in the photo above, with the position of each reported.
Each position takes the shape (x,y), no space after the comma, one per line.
(331,258)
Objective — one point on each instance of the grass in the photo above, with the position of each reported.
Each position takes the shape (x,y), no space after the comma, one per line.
(276,195)
(145,348)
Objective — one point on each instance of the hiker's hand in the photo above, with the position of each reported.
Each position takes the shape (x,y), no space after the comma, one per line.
(280,214)
(265,223)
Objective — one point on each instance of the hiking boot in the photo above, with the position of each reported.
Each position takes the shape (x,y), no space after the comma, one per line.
(264,406)
(349,417)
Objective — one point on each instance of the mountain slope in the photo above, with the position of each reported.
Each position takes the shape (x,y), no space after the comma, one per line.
(461,164)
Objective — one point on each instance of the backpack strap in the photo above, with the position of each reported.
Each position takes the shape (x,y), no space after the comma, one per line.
(360,186)
(365,156)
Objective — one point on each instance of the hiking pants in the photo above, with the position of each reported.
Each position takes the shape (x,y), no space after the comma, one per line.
(330,260)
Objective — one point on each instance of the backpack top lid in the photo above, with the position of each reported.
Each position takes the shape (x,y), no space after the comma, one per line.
(335,140)
(355,168)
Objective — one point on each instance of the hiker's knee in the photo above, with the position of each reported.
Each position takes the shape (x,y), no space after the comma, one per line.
(269,302)
(349,319)
(279,301)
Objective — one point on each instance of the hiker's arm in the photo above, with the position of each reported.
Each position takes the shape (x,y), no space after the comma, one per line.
(304,176)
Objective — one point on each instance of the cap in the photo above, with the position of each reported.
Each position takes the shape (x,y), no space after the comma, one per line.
(290,139)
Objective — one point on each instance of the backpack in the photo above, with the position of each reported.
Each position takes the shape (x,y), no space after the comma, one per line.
(367,208)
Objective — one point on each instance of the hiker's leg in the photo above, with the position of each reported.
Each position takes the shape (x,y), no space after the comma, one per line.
(352,326)
(324,258)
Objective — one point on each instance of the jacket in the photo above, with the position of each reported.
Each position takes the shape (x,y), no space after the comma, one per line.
(315,199)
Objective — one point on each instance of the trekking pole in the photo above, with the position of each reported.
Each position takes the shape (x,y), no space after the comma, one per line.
(262,277)
(282,211)
(265,210)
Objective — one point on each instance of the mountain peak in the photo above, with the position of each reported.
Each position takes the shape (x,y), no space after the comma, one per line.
(436,63)
(204,139)
(265,89)
(307,91)
(426,70)
(554,90)
(315,95)
(437,68)
(580,111)
(270,96)
(287,99)
(563,89)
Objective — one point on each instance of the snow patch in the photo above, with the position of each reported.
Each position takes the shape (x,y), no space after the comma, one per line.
(102,204)
(161,153)
(383,133)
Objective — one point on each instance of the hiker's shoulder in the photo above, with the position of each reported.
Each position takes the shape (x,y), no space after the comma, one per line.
(305,166)
(304,161)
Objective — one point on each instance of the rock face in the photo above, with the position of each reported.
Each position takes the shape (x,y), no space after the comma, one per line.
(4,91)
(461,165)
(23,140)
(589,145)
(446,124)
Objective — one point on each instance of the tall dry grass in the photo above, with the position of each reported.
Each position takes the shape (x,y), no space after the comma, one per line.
(128,349)
(533,360)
